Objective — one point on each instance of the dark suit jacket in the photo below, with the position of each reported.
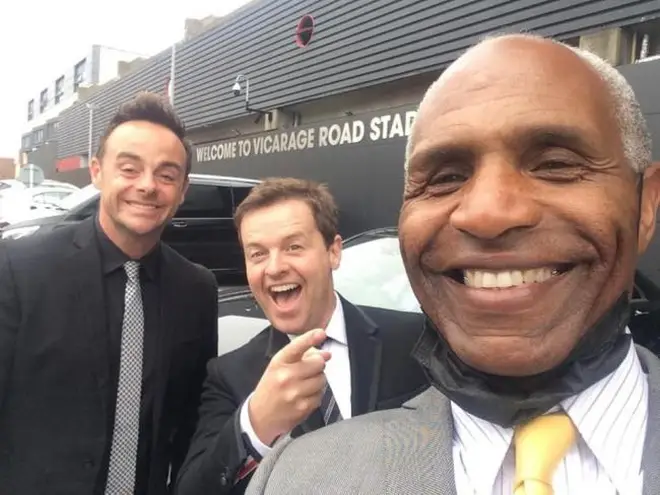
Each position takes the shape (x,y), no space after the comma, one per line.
(54,363)
(383,377)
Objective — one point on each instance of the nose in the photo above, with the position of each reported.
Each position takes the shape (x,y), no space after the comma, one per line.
(276,265)
(146,182)
(496,201)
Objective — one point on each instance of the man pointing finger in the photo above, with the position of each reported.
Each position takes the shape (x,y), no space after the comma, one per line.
(283,381)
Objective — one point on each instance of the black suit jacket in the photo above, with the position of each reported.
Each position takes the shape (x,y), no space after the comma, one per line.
(383,377)
(54,368)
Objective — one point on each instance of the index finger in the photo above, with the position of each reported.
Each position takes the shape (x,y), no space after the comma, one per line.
(294,351)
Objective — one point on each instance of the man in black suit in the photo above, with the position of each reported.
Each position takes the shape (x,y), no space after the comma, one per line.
(321,360)
(104,331)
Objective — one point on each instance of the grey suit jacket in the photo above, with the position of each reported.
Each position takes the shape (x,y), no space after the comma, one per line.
(400,451)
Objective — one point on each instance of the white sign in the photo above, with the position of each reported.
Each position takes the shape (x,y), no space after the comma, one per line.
(387,126)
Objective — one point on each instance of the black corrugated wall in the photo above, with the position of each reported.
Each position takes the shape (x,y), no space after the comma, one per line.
(356,44)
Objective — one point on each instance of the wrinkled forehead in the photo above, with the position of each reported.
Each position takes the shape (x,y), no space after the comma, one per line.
(507,86)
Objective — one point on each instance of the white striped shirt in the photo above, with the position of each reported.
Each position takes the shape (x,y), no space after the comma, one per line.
(610,417)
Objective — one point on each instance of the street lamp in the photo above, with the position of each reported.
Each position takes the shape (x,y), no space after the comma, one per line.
(91,107)
(237,89)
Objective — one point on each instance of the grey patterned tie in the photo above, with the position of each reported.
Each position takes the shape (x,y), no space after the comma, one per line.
(329,407)
(123,454)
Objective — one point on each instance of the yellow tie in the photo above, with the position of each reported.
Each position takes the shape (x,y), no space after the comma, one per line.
(540,445)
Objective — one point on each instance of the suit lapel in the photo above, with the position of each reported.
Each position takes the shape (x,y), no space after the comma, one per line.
(87,280)
(364,351)
(652,444)
(169,320)
(431,469)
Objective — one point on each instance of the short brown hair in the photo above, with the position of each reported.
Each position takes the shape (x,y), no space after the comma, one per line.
(274,190)
(149,107)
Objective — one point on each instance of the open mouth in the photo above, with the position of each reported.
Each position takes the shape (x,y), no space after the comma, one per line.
(285,293)
(504,279)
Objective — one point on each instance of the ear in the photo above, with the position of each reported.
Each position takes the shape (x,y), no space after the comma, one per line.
(335,252)
(650,203)
(95,172)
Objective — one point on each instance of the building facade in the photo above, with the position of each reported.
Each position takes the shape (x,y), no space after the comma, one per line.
(98,65)
(333,84)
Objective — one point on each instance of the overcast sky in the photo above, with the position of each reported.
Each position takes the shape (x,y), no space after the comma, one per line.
(39,39)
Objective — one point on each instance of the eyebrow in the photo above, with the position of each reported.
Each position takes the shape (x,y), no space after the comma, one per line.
(288,238)
(170,165)
(127,155)
(558,136)
(539,136)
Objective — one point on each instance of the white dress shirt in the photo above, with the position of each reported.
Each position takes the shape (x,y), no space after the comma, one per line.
(337,372)
(610,417)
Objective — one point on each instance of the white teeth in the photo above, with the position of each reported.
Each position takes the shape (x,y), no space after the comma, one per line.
(284,288)
(480,279)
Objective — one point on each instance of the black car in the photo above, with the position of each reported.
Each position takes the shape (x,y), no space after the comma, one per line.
(202,229)
(372,274)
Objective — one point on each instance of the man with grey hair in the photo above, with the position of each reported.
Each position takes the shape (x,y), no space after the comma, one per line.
(529,196)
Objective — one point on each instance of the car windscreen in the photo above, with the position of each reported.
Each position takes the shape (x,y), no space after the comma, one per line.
(78,197)
(372,274)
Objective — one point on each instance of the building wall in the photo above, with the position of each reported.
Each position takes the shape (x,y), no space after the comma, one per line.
(73,133)
(645,79)
(101,66)
(357,45)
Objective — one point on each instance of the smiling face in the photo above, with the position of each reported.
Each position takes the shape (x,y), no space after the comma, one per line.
(142,179)
(289,266)
(519,223)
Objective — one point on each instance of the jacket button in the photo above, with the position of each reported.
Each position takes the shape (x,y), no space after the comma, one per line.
(223,480)
(88,464)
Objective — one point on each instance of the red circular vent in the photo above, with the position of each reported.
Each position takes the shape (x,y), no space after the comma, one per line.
(304,31)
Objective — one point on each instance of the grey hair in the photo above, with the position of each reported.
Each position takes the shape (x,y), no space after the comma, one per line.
(635,135)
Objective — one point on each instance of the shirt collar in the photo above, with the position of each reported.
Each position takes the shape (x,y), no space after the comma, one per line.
(113,258)
(610,417)
(336,329)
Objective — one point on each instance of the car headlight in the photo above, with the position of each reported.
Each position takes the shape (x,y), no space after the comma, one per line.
(19,232)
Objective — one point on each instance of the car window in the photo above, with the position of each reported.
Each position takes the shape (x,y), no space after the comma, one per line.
(372,274)
(78,197)
(206,201)
(240,193)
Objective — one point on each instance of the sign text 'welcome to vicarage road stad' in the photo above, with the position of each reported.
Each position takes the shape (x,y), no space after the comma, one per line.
(380,127)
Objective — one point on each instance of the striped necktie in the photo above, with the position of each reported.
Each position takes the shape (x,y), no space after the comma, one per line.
(328,407)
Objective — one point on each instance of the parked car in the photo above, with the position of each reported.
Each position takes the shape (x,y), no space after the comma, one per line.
(371,273)
(202,229)
(31,202)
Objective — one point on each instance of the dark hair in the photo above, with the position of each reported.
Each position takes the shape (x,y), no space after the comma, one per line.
(149,107)
(275,190)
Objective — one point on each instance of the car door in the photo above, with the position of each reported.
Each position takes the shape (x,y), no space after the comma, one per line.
(203,232)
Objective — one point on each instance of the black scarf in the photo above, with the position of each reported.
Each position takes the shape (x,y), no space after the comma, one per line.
(508,401)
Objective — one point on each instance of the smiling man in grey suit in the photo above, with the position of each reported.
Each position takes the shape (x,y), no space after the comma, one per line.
(529,195)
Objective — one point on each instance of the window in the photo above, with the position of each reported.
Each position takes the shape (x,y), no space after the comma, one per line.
(38,136)
(304,31)
(51,130)
(43,100)
(206,201)
(59,90)
(30,109)
(26,142)
(79,74)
